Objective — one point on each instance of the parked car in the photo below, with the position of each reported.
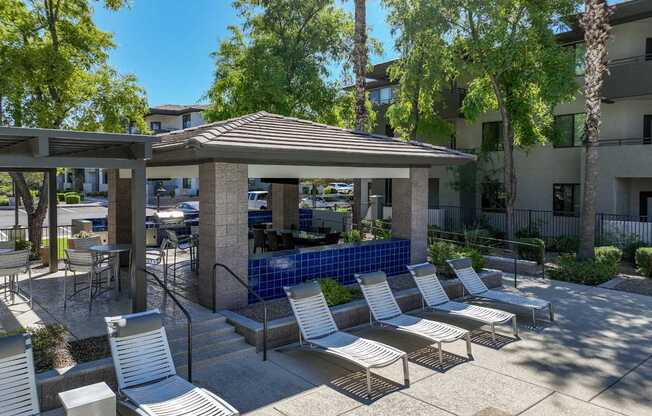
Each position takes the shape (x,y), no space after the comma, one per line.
(188,207)
(257,200)
(341,187)
(314,202)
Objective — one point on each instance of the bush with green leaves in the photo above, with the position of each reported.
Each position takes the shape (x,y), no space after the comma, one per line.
(330,190)
(440,251)
(352,236)
(630,243)
(587,272)
(531,249)
(4,200)
(476,257)
(644,261)
(23,245)
(610,257)
(61,197)
(564,245)
(72,198)
(335,293)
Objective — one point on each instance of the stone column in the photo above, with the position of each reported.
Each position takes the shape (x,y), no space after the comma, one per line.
(223,233)
(410,212)
(285,203)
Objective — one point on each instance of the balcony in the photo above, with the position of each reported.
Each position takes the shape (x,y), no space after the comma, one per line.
(629,77)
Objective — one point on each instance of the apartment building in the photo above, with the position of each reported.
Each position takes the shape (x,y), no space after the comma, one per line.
(550,177)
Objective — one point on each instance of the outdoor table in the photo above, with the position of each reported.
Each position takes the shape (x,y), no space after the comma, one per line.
(114,250)
(92,400)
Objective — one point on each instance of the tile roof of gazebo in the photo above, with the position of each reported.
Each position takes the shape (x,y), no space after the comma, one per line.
(269,138)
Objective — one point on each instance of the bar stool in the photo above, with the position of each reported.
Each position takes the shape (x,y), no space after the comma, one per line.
(84,262)
(12,264)
(260,240)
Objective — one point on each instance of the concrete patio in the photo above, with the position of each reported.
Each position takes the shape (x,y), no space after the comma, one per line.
(594,360)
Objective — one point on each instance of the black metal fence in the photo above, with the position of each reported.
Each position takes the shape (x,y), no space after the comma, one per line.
(548,225)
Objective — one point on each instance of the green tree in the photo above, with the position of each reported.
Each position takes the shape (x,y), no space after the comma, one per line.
(507,53)
(595,22)
(54,74)
(421,71)
(279,60)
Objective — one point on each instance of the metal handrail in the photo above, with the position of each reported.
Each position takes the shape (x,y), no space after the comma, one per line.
(251,291)
(185,312)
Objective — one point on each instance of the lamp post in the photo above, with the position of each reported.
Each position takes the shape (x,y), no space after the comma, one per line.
(160,190)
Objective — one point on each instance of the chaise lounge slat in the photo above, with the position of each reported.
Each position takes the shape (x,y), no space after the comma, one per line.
(18,394)
(147,379)
(317,328)
(435,298)
(475,286)
(385,310)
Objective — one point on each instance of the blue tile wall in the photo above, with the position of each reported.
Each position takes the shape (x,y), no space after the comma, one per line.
(305,217)
(269,272)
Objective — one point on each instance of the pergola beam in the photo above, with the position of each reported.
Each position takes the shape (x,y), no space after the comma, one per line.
(29,162)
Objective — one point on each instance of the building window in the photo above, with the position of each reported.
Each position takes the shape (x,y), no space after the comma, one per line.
(580,58)
(383,95)
(647,128)
(186,183)
(565,199)
(105,176)
(493,197)
(648,49)
(185,121)
(492,136)
(568,130)
(388,192)
(155,126)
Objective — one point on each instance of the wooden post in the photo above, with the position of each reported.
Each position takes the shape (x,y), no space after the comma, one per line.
(138,195)
(52,220)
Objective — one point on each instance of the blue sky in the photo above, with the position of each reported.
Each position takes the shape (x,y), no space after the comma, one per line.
(167,43)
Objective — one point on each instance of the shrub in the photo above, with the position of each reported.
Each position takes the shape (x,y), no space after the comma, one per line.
(529,251)
(335,293)
(565,245)
(588,272)
(4,200)
(72,198)
(61,197)
(440,251)
(23,245)
(528,232)
(352,236)
(630,243)
(644,261)
(609,256)
(330,190)
(476,257)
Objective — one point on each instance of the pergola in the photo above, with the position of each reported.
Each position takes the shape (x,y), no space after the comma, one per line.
(262,145)
(44,150)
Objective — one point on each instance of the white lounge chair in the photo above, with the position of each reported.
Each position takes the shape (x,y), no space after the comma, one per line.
(18,394)
(317,328)
(475,286)
(147,379)
(435,298)
(385,310)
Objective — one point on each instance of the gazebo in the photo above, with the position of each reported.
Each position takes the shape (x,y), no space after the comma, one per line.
(262,145)
(44,150)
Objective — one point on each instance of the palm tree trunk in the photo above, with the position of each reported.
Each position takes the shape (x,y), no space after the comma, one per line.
(360,63)
(595,23)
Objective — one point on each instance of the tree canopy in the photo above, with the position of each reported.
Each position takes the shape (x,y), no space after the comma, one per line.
(281,58)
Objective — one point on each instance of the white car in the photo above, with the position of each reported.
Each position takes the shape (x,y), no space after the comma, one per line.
(257,200)
(341,187)
(314,202)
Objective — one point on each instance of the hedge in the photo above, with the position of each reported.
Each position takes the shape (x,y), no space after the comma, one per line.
(440,251)
(644,261)
(72,198)
(533,249)
(588,272)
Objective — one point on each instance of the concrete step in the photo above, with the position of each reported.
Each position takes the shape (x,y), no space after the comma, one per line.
(210,355)
(203,342)
(213,327)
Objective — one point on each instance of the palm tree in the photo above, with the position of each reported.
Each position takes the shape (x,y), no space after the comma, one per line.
(595,22)
(360,63)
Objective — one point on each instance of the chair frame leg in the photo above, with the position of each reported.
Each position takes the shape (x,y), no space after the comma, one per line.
(441,354)
(469,352)
(534,318)
(493,333)
(368,384)
(65,293)
(552,313)
(406,371)
(515,326)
